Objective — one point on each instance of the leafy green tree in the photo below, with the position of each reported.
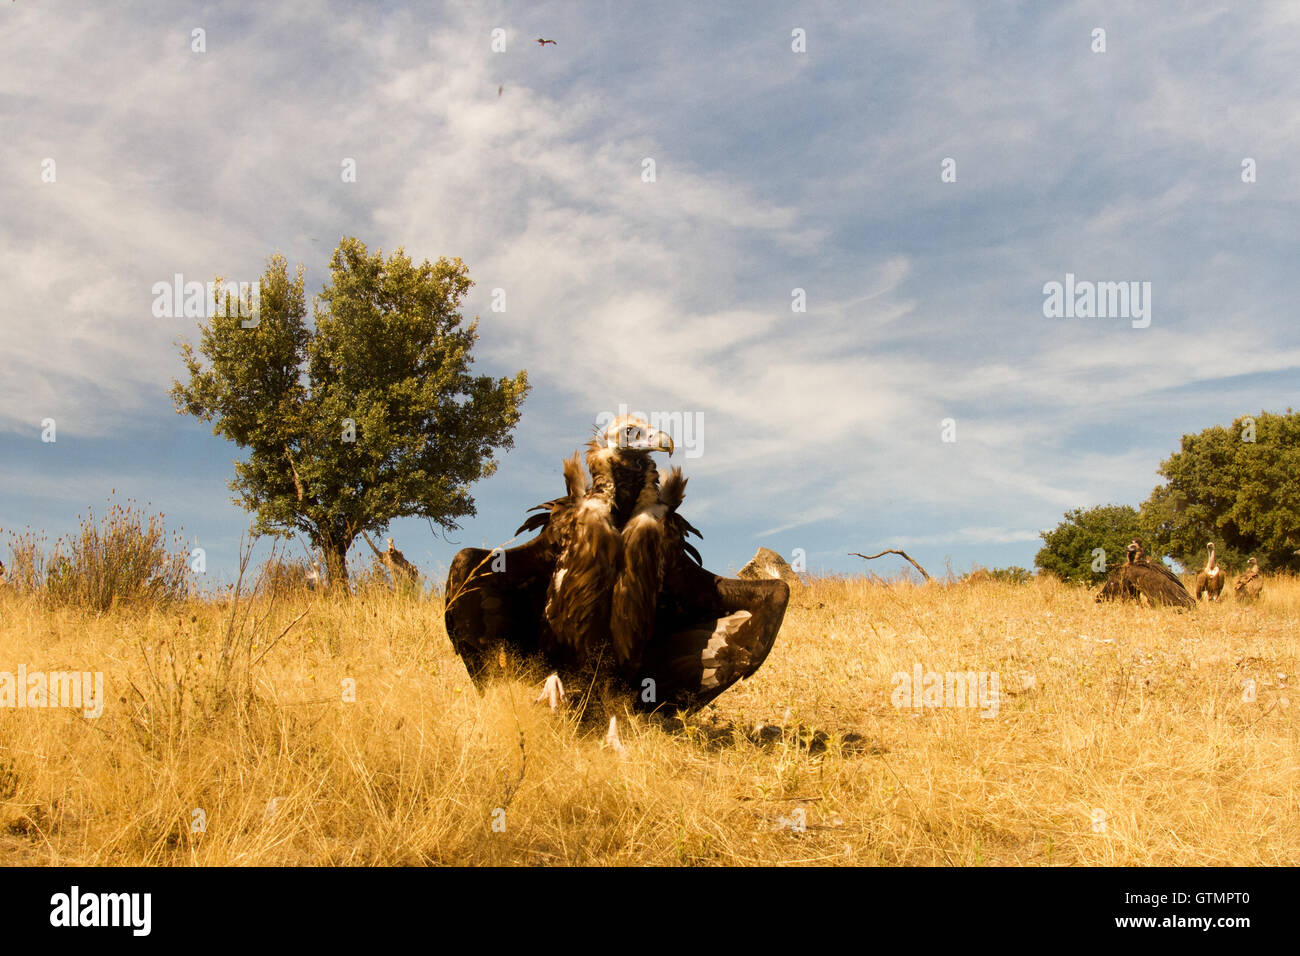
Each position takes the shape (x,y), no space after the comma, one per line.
(370,414)
(1237,486)
(1012,575)
(1068,549)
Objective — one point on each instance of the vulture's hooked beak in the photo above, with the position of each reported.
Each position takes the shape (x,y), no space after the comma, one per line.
(653,440)
(631,433)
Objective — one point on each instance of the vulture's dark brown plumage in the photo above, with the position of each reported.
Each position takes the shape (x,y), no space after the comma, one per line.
(612,587)
(1140,577)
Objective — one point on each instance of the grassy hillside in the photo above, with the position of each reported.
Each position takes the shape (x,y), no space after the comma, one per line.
(1120,737)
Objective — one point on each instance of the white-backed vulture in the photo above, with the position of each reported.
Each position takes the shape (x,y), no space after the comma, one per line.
(1140,577)
(611,586)
(1249,584)
(1210,580)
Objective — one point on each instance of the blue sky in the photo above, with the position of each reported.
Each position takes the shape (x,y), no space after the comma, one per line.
(775,170)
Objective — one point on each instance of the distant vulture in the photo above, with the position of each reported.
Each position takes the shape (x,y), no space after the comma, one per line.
(1140,578)
(1250,584)
(403,571)
(544,42)
(1210,581)
(399,567)
(610,590)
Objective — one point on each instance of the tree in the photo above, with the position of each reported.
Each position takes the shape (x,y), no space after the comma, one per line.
(1239,486)
(1012,575)
(370,415)
(1068,549)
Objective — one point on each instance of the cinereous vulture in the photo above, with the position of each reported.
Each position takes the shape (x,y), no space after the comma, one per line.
(610,589)
(1140,577)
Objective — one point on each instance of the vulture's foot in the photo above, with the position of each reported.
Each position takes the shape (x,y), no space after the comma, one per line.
(552,692)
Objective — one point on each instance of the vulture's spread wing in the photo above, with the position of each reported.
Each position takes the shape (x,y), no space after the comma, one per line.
(487,608)
(499,597)
(710,632)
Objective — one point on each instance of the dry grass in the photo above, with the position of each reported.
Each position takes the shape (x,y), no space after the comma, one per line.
(1133,712)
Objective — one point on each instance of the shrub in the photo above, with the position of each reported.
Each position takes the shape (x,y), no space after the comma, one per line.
(124,557)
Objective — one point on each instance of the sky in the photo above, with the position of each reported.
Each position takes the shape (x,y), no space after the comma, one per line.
(922,172)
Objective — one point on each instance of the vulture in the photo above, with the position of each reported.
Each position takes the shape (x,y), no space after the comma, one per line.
(403,571)
(1250,583)
(400,568)
(1139,578)
(1210,581)
(541,42)
(610,589)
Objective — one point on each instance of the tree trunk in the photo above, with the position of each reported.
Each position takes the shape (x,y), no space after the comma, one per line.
(336,563)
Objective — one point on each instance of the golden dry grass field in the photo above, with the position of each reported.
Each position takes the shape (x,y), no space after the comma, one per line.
(1121,738)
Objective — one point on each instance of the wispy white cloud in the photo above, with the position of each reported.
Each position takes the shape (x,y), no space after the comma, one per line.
(967,536)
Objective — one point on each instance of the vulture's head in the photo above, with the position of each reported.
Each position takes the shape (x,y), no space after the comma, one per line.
(1134,550)
(1252,563)
(628,434)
